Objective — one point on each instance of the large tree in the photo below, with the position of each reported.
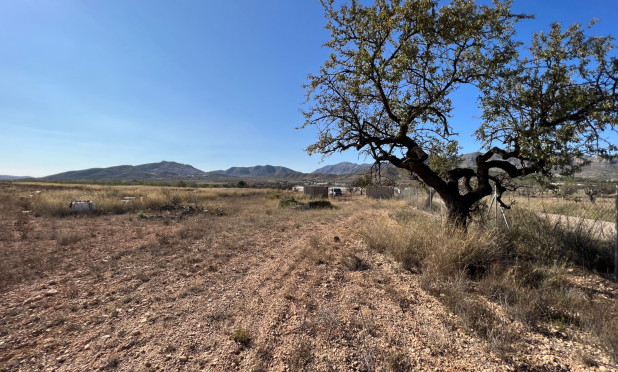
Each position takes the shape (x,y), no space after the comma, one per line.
(385,92)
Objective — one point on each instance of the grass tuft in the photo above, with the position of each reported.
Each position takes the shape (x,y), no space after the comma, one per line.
(241,336)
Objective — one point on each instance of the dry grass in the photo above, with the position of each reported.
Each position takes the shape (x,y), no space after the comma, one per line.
(522,271)
(53,200)
(601,210)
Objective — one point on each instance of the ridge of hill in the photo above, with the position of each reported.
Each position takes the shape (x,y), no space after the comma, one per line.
(255,171)
(13,178)
(342,168)
(599,169)
(150,171)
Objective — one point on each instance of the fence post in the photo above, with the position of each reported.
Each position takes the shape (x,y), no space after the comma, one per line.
(616,236)
(496,205)
(430,200)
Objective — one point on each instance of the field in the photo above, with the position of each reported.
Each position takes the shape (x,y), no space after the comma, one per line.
(247,279)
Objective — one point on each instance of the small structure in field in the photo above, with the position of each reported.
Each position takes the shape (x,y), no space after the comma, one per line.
(83,206)
(380,192)
(127,199)
(316,192)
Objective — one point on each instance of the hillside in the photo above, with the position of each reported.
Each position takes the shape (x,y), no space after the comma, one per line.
(342,168)
(256,171)
(598,169)
(164,170)
(13,178)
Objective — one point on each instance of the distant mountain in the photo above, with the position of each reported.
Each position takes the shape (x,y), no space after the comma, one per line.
(600,169)
(342,168)
(169,171)
(13,178)
(256,171)
(146,172)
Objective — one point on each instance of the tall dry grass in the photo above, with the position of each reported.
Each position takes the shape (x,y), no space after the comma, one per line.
(124,199)
(602,209)
(522,270)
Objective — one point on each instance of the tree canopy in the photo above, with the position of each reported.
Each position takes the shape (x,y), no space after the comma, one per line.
(385,91)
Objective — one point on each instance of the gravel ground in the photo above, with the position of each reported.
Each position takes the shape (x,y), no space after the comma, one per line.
(289,291)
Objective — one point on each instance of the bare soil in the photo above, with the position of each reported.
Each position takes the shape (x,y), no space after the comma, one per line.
(256,289)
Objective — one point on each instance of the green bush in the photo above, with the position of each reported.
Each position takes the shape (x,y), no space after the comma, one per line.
(241,336)
(290,203)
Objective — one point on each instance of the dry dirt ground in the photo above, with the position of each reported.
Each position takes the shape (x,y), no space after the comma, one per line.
(258,288)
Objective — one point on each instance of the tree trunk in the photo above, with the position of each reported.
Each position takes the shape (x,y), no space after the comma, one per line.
(457,213)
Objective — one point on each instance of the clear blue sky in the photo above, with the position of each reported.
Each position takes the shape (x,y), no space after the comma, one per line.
(214,84)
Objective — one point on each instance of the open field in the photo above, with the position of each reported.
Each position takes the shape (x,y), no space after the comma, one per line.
(225,279)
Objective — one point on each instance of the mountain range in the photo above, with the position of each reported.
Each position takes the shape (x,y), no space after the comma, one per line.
(169,171)
(12,178)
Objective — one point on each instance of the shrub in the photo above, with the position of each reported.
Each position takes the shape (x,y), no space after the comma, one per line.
(241,336)
(290,203)
(539,238)
(319,204)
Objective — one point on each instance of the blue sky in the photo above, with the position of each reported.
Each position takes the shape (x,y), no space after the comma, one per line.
(214,84)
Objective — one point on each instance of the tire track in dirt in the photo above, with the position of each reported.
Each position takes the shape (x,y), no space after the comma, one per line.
(322,316)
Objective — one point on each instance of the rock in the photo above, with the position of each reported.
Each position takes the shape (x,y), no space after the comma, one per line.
(51,292)
(28,300)
(183,359)
(148,364)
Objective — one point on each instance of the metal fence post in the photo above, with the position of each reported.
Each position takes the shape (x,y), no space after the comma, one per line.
(496,205)
(616,236)
(430,200)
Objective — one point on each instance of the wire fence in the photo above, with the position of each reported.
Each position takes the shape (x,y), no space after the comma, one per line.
(589,208)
